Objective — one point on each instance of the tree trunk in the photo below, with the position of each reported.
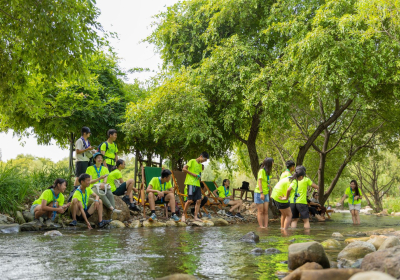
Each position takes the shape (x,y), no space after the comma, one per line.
(71,153)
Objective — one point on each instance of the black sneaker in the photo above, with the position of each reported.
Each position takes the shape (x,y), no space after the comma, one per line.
(238,215)
(73,223)
(103,223)
(133,207)
(229,214)
(126,200)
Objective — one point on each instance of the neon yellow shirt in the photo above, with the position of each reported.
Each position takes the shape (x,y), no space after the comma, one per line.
(285,174)
(264,183)
(110,153)
(280,189)
(301,190)
(83,197)
(91,170)
(114,175)
(351,193)
(155,183)
(223,192)
(196,168)
(49,197)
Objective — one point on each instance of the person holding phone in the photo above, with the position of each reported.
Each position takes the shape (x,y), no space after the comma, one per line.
(353,193)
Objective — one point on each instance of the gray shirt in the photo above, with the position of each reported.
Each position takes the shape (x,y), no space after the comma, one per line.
(84,156)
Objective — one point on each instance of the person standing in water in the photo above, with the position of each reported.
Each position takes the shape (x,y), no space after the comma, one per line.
(261,192)
(279,198)
(290,166)
(298,196)
(353,193)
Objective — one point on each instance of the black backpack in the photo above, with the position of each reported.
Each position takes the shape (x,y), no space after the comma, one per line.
(99,147)
(71,194)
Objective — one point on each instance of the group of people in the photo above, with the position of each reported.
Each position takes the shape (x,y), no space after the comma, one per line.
(96,185)
(290,196)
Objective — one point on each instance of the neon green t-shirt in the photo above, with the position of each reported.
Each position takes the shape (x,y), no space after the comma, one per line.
(110,153)
(223,192)
(301,190)
(280,189)
(265,182)
(49,197)
(114,175)
(196,168)
(350,193)
(83,197)
(155,183)
(285,174)
(91,170)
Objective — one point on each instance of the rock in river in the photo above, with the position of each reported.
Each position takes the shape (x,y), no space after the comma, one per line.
(9,228)
(296,274)
(387,261)
(219,222)
(371,275)
(257,251)
(377,240)
(331,244)
(337,235)
(153,224)
(19,218)
(354,251)
(53,233)
(301,253)
(390,242)
(271,251)
(28,216)
(116,224)
(250,237)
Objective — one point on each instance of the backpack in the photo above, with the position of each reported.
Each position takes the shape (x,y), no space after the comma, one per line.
(99,147)
(71,194)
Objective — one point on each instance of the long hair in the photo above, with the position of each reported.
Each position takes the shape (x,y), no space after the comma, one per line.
(224,181)
(356,190)
(299,171)
(56,182)
(267,165)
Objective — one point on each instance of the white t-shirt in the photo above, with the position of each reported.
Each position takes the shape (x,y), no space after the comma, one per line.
(84,156)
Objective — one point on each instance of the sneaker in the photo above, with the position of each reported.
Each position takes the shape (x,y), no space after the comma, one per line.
(103,223)
(126,199)
(175,218)
(229,214)
(208,215)
(153,217)
(117,211)
(238,215)
(73,223)
(133,207)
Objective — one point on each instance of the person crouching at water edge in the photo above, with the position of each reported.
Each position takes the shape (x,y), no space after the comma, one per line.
(193,171)
(160,191)
(280,198)
(226,196)
(353,193)
(51,201)
(80,208)
(298,196)
(261,192)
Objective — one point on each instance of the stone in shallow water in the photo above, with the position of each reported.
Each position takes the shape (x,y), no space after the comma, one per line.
(331,244)
(354,251)
(53,233)
(178,277)
(371,275)
(250,237)
(153,224)
(135,224)
(390,242)
(116,224)
(387,261)
(28,216)
(377,240)
(337,235)
(219,222)
(350,240)
(301,253)
(271,251)
(257,251)
(9,228)
(19,218)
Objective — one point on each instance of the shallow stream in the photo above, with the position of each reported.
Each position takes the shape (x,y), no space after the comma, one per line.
(148,253)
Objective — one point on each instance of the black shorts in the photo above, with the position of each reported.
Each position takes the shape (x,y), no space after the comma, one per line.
(280,205)
(80,217)
(299,209)
(194,193)
(120,190)
(80,167)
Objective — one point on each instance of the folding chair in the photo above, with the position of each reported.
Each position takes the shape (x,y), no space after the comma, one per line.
(178,178)
(212,199)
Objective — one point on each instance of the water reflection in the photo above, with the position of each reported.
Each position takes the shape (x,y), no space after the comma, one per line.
(149,253)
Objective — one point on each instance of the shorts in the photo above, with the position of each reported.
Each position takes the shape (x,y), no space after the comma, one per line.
(226,200)
(80,167)
(80,217)
(355,207)
(257,198)
(120,190)
(194,193)
(279,205)
(299,209)
(33,210)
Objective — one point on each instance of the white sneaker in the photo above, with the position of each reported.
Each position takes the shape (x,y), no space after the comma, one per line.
(117,211)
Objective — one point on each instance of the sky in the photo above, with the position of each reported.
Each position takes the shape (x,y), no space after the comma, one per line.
(131,20)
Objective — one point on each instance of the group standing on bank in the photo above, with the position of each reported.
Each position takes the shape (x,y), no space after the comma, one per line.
(99,178)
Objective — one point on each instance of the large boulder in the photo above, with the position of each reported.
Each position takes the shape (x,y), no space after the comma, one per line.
(371,275)
(387,261)
(391,241)
(331,244)
(329,274)
(32,226)
(301,253)
(354,251)
(28,216)
(135,224)
(377,240)
(9,228)
(108,214)
(19,218)
(296,274)
(250,237)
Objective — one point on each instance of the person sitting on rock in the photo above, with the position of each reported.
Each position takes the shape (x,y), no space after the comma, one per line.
(98,182)
(80,208)
(51,201)
(160,191)
(354,195)
(313,211)
(224,194)
(124,188)
(290,166)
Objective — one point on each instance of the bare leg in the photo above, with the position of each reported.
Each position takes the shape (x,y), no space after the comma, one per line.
(187,204)
(129,189)
(235,205)
(283,218)
(75,208)
(196,210)
(357,215)
(266,214)
(99,209)
(353,216)
(294,223)
(152,201)
(171,199)
(306,223)
(287,214)
(260,215)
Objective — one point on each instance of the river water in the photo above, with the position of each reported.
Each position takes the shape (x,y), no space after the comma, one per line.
(148,253)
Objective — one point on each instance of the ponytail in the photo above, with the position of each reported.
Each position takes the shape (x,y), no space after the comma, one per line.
(299,171)
(57,182)
(267,165)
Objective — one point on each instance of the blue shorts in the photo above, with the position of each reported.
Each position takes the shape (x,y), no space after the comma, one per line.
(226,201)
(257,198)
